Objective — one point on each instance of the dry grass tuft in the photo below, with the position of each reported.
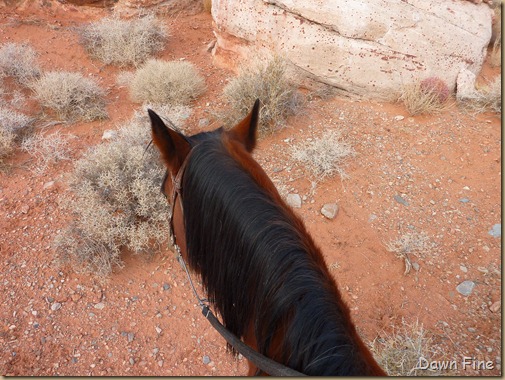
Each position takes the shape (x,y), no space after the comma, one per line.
(47,149)
(71,96)
(124,42)
(20,62)
(279,99)
(405,351)
(427,97)
(162,82)
(116,203)
(323,156)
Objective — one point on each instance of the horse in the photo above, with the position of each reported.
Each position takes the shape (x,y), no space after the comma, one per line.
(258,264)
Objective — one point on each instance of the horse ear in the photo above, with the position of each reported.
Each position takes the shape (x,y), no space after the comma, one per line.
(172,145)
(245,131)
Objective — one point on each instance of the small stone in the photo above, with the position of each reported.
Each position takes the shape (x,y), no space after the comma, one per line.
(495,231)
(465,288)
(25,209)
(48,185)
(131,336)
(399,117)
(109,134)
(294,200)
(166,286)
(55,306)
(400,200)
(330,210)
(99,306)
(463,269)
(160,363)
(464,200)
(472,329)
(206,359)
(416,267)
(158,330)
(495,307)
(132,361)
(203,123)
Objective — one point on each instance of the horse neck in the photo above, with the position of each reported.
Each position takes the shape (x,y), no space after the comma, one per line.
(262,268)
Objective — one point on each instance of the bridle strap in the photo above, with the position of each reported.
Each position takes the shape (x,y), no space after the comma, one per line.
(267,365)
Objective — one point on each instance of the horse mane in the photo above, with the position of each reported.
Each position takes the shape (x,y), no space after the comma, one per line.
(259,265)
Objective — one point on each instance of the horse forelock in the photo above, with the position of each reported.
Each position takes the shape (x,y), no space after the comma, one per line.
(259,265)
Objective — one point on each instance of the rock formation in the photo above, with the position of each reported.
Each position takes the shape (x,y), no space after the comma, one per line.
(364,47)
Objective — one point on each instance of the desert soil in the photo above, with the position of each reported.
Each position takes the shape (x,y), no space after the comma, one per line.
(436,176)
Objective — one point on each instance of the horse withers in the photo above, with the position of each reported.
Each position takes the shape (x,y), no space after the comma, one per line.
(258,264)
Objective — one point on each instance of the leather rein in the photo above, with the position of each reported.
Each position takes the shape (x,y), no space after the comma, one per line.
(267,365)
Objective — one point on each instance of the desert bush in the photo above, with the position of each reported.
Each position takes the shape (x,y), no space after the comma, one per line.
(116,202)
(70,95)
(486,98)
(401,352)
(162,82)
(411,243)
(13,125)
(323,156)
(428,96)
(47,148)
(20,62)
(123,42)
(269,83)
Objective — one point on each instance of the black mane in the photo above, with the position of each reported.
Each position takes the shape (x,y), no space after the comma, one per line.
(256,265)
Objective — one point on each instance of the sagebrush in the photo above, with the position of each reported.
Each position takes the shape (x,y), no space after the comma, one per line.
(269,83)
(13,126)
(20,62)
(70,95)
(116,203)
(166,82)
(124,42)
(323,156)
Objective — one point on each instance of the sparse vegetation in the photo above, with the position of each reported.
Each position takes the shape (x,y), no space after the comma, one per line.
(428,96)
(13,125)
(116,203)
(323,156)
(411,243)
(405,351)
(46,148)
(70,95)
(268,82)
(20,62)
(166,82)
(124,42)
(485,98)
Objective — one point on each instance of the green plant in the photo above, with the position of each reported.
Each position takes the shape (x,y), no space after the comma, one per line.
(20,62)
(70,95)
(162,82)
(116,202)
(269,83)
(124,42)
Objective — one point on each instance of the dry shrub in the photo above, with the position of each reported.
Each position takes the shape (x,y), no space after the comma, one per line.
(71,96)
(405,351)
(13,125)
(20,62)
(174,115)
(269,83)
(47,149)
(486,98)
(207,5)
(323,156)
(162,82)
(124,42)
(116,203)
(429,96)
(411,243)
